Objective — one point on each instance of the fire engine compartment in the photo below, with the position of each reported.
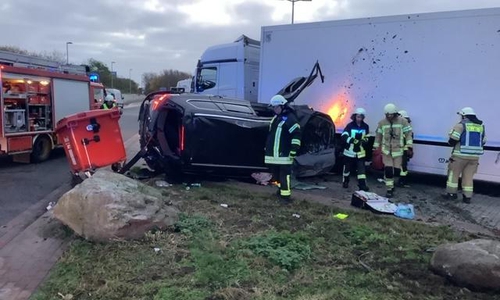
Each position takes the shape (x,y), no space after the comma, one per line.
(26,103)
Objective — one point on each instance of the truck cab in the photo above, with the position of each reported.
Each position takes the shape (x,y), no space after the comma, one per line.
(230,70)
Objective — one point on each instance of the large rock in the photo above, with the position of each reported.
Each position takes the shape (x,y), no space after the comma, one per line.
(110,206)
(474,264)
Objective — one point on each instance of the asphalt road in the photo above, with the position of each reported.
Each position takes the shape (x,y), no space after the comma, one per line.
(22,185)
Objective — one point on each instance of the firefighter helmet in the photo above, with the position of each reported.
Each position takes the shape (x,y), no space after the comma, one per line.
(467,111)
(360,111)
(403,114)
(109,98)
(390,109)
(278,100)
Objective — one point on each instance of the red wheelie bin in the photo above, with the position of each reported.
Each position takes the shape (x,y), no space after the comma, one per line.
(91,140)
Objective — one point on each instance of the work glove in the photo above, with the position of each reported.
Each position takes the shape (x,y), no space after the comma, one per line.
(409,152)
(355,141)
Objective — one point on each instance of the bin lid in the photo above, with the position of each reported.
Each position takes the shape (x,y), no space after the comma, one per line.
(73,120)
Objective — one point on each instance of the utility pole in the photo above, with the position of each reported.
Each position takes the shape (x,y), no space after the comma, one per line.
(67,52)
(112,75)
(130,81)
(293,6)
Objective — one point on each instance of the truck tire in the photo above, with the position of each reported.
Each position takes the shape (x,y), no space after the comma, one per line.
(41,149)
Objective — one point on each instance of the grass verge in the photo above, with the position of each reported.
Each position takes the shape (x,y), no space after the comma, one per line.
(257,249)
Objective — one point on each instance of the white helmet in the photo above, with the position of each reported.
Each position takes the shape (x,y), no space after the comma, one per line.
(109,97)
(403,114)
(467,111)
(390,109)
(360,111)
(278,100)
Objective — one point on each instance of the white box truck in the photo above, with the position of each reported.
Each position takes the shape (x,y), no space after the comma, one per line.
(430,65)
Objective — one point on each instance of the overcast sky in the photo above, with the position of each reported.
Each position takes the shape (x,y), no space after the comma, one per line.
(152,35)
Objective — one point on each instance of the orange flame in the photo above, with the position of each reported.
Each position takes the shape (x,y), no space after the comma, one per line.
(338,108)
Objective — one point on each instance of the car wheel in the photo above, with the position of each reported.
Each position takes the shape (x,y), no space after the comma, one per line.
(41,149)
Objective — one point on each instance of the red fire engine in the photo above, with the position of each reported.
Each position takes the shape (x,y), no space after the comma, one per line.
(36,93)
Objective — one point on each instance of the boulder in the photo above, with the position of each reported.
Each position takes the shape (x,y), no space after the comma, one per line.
(474,264)
(110,206)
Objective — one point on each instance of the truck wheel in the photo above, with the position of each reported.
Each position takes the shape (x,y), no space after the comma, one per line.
(41,149)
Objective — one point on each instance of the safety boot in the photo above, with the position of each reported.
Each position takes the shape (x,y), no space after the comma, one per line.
(362,185)
(390,193)
(466,199)
(345,182)
(449,196)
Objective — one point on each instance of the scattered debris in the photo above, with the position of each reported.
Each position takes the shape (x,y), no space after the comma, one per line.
(224,205)
(262,178)
(381,180)
(305,186)
(51,205)
(296,216)
(162,183)
(340,216)
(372,202)
(157,250)
(367,267)
(65,297)
(405,211)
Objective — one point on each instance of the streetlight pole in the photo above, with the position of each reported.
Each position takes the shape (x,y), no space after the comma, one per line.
(67,52)
(130,81)
(112,73)
(293,6)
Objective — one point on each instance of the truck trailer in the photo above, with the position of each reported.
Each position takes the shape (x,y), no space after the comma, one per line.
(429,64)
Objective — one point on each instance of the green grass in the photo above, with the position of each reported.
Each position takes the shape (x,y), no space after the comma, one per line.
(255,249)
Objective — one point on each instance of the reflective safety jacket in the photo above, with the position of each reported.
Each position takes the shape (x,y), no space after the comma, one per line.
(105,106)
(471,138)
(283,140)
(355,139)
(394,137)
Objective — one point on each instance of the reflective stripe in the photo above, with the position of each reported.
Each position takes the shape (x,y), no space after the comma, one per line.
(344,173)
(292,129)
(468,188)
(296,142)
(362,176)
(271,123)
(389,183)
(403,173)
(277,138)
(278,160)
(455,135)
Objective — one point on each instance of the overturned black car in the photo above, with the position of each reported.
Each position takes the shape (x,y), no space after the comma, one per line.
(201,134)
(191,133)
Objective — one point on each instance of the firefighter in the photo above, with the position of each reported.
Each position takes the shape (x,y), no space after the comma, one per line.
(283,142)
(407,155)
(355,138)
(109,102)
(394,137)
(467,139)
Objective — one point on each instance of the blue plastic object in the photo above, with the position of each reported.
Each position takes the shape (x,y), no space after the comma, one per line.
(405,211)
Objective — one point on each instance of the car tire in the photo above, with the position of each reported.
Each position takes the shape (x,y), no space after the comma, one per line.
(41,149)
